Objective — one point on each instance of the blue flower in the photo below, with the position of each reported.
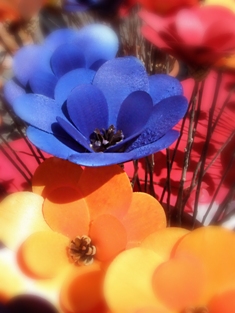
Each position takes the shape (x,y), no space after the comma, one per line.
(107,6)
(122,115)
(40,68)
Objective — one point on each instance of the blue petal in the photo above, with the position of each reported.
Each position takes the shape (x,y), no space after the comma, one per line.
(66,58)
(12,91)
(118,78)
(43,83)
(73,5)
(160,144)
(60,37)
(74,133)
(99,159)
(37,110)
(165,115)
(164,86)
(28,59)
(71,80)
(88,109)
(134,113)
(52,144)
(97,42)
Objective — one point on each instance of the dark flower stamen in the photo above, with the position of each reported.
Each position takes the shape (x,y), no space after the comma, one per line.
(102,139)
(81,250)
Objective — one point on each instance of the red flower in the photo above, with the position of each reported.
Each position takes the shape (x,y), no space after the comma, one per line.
(193,35)
(163,7)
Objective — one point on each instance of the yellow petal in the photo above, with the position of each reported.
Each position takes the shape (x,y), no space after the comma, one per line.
(44,254)
(128,281)
(213,247)
(163,240)
(20,216)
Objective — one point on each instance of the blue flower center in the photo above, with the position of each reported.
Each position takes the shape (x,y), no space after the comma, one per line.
(102,139)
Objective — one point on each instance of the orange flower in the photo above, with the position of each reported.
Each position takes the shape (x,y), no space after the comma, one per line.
(87,216)
(7,11)
(192,272)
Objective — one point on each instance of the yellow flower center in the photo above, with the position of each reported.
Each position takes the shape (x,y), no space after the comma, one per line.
(81,250)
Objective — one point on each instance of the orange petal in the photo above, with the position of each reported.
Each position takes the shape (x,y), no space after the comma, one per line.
(66,212)
(144,216)
(210,246)
(178,283)
(54,173)
(223,303)
(44,254)
(169,236)
(108,235)
(107,190)
(151,310)
(82,290)
(128,281)
(20,216)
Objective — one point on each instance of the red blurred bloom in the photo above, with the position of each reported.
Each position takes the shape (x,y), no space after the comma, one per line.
(193,35)
(163,7)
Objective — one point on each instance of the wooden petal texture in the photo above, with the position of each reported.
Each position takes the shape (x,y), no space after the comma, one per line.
(66,212)
(54,173)
(144,217)
(44,254)
(20,216)
(106,189)
(109,237)
(213,247)
(128,281)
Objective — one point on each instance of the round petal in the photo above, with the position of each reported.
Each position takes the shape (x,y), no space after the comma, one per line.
(12,91)
(145,215)
(146,149)
(217,259)
(74,133)
(43,83)
(107,190)
(28,59)
(117,79)
(170,236)
(66,212)
(44,254)
(165,115)
(71,80)
(54,173)
(88,109)
(164,86)
(66,58)
(98,42)
(134,113)
(60,37)
(61,147)
(178,283)
(190,28)
(128,281)
(31,108)
(20,216)
(82,290)
(109,237)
